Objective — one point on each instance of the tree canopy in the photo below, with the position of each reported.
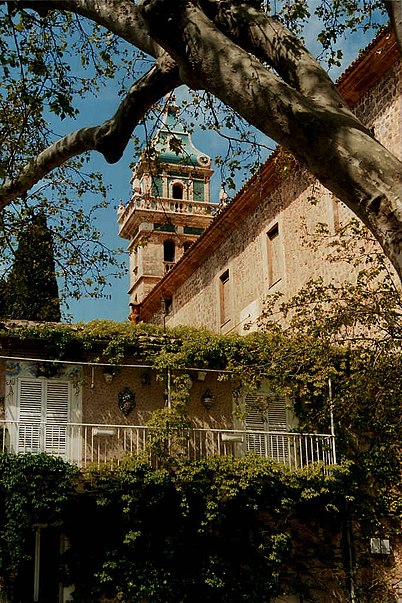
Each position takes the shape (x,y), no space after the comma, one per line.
(248,57)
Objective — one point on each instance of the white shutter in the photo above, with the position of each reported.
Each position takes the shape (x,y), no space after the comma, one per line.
(273,419)
(43,414)
(277,416)
(277,421)
(255,422)
(30,398)
(56,416)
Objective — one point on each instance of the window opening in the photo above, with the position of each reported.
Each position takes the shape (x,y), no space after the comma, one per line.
(168,251)
(224,297)
(43,416)
(177,191)
(274,256)
(266,428)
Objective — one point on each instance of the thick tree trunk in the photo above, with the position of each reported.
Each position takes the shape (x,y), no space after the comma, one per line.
(394,9)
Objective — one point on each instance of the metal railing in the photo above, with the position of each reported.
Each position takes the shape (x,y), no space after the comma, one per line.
(86,444)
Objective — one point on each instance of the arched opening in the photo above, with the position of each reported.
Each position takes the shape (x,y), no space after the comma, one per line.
(177,191)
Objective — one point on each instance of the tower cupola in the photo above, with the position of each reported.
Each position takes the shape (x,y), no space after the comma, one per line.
(170,205)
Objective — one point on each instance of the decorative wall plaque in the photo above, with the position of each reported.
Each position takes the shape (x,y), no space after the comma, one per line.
(127,400)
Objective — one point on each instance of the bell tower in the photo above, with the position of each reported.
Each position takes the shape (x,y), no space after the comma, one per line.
(170,205)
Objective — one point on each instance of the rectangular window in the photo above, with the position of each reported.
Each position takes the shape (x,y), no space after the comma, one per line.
(335,214)
(224,297)
(274,256)
(39,409)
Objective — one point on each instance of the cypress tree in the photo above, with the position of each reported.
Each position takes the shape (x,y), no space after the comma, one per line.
(31,292)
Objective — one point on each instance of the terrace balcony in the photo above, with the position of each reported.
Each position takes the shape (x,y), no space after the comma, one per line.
(97,444)
(155,209)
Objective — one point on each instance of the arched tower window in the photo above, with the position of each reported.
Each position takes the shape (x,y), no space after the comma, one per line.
(177,191)
(168,251)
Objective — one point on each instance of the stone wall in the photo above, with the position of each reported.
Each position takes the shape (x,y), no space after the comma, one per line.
(100,399)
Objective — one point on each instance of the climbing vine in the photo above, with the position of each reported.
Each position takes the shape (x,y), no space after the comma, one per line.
(220,529)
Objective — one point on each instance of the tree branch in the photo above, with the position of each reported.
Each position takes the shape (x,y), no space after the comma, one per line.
(109,138)
(270,41)
(122,17)
(207,59)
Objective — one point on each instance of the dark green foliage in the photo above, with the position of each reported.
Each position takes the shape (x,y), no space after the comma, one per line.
(246,529)
(31,291)
(222,529)
(34,489)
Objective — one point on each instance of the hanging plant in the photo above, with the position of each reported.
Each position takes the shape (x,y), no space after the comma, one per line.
(127,400)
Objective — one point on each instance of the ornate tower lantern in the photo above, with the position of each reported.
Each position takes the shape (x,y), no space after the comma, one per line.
(170,205)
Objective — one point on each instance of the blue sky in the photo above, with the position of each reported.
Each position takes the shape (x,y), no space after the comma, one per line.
(115,306)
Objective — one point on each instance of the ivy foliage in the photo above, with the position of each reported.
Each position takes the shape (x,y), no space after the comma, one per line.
(220,529)
(247,529)
(34,490)
(365,380)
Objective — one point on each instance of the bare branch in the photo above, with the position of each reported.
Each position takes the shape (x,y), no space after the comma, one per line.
(109,138)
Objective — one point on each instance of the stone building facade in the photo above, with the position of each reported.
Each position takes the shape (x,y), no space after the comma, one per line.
(257,246)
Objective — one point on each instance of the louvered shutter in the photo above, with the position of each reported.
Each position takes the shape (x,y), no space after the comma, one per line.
(277,422)
(274,419)
(255,422)
(43,412)
(30,424)
(56,417)
(277,416)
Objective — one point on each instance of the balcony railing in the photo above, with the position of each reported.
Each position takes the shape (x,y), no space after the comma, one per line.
(168,266)
(167,204)
(86,444)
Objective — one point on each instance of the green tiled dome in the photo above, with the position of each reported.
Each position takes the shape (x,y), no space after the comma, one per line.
(174,145)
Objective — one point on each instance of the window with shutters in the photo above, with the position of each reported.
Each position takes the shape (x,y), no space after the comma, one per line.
(43,415)
(266,426)
(39,411)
